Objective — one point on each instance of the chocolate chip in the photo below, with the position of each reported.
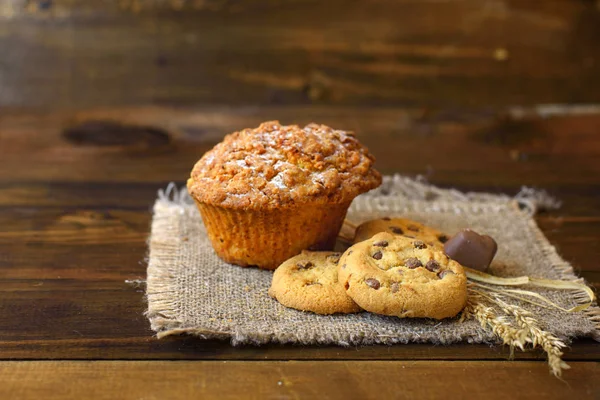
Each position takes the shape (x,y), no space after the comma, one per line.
(419,245)
(386,218)
(396,230)
(378,255)
(432,265)
(395,287)
(334,258)
(382,243)
(443,238)
(445,272)
(413,263)
(306,265)
(373,283)
(413,228)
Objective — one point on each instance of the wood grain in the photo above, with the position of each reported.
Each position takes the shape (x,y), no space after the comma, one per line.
(501,149)
(452,53)
(77,346)
(287,380)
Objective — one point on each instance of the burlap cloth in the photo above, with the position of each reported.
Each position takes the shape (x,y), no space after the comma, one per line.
(190,290)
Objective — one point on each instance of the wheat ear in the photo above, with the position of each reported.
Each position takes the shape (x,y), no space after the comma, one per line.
(526,332)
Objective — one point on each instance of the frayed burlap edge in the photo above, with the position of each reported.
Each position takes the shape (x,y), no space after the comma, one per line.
(162,298)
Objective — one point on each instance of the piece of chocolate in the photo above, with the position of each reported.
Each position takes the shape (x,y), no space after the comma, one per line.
(373,283)
(471,249)
(382,243)
(397,230)
(432,265)
(413,263)
(306,265)
(444,273)
(419,244)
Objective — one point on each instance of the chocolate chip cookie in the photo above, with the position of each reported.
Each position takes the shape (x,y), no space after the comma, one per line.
(404,277)
(401,226)
(309,282)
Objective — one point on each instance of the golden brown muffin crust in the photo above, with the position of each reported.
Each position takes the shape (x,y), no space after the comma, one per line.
(278,166)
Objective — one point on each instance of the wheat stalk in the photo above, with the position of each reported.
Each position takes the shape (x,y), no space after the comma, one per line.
(500,326)
(527,331)
(548,342)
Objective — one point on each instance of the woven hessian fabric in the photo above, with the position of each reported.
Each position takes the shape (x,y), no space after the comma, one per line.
(190,290)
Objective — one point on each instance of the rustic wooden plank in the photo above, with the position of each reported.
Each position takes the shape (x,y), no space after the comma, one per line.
(577,200)
(147,347)
(90,53)
(498,149)
(578,240)
(339,380)
(88,243)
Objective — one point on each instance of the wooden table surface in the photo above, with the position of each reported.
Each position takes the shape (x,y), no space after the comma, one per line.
(102,106)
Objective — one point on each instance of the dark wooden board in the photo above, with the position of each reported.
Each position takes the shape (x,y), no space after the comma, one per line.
(457,53)
(295,379)
(501,149)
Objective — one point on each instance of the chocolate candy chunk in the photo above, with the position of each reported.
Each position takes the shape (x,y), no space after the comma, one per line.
(378,255)
(394,287)
(382,243)
(432,265)
(471,249)
(413,263)
(396,230)
(419,245)
(373,283)
(306,265)
(312,283)
(445,272)
(443,238)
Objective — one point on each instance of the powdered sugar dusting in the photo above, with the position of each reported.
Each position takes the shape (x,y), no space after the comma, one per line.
(274,165)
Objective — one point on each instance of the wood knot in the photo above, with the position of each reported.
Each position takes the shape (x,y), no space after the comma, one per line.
(114,134)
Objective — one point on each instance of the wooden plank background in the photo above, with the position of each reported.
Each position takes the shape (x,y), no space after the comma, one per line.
(290,380)
(444,53)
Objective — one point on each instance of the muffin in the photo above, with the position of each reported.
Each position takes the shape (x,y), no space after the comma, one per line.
(266,194)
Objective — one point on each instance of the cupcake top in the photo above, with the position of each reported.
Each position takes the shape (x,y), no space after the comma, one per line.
(275,166)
